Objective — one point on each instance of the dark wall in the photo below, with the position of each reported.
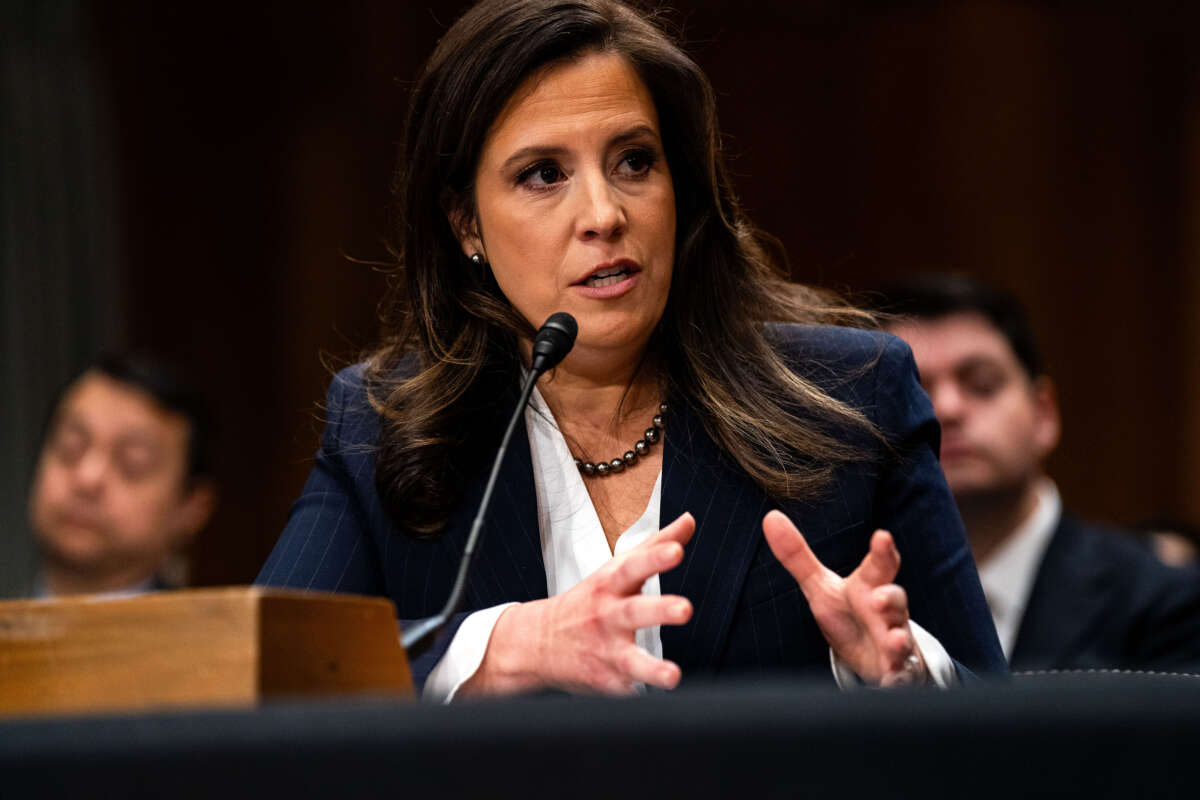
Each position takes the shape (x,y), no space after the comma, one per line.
(256,149)
(1050,147)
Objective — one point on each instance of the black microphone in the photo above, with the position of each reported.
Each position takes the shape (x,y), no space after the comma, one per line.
(554,340)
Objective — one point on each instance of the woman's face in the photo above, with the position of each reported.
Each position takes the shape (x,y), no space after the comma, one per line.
(576,210)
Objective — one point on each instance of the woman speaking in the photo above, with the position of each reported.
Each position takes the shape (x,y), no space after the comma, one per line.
(722,475)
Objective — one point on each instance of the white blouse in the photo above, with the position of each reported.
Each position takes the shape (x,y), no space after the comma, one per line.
(574,546)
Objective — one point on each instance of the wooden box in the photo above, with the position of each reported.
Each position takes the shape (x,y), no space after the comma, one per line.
(207,647)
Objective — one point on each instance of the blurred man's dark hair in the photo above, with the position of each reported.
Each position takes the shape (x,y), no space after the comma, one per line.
(936,296)
(172,389)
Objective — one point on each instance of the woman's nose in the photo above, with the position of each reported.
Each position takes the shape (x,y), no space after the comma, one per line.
(601,213)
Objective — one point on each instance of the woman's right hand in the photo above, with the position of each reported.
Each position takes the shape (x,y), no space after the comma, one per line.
(583,639)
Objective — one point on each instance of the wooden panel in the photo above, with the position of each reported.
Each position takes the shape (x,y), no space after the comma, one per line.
(1040,145)
(341,644)
(168,649)
(216,647)
(1188,480)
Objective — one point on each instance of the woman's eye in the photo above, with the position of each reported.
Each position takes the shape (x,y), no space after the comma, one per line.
(638,162)
(540,175)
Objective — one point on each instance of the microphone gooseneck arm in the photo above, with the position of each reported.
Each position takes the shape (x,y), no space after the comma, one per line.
(554,340)
(422,629)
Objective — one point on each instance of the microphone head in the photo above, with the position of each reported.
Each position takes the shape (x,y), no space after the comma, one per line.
(554,340)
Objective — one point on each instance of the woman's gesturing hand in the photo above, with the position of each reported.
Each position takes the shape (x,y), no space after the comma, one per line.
(863,616)
(583,639)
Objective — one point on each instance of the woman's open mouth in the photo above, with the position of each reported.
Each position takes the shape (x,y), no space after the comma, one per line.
(607,277)
(610,280)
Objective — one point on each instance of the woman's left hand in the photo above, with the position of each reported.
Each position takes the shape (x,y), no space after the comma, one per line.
(863,616)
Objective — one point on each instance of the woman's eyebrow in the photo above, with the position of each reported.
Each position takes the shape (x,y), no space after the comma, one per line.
(535,152)
(526,154)
(636,132)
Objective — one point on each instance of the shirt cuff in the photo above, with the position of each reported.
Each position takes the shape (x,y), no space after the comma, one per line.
(937,662)
(464,655)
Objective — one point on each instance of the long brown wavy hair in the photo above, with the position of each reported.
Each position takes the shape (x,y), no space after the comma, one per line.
(450,355)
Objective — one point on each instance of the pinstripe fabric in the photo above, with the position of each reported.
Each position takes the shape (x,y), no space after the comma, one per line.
(749,613)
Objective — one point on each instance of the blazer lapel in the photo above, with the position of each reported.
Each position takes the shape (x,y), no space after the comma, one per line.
(508,561)
(1068,597)
(728,508)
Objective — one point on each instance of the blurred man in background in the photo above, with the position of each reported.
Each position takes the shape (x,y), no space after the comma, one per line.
(1064,594)
(122,482)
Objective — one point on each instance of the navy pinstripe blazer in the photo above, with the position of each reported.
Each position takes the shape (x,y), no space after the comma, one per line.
(750,616)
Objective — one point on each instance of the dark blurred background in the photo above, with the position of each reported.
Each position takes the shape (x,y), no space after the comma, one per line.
(202,179)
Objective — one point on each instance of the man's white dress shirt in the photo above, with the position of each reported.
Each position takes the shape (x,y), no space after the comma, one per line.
(1008,575)
(574,546)
(41,590)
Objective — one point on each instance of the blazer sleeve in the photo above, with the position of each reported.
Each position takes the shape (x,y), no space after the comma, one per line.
(914,503)
(325,545)
(329,541)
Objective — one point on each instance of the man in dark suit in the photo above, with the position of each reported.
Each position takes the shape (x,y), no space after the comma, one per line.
(1064,594)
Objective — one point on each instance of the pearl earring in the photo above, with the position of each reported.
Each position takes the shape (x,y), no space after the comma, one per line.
(477,259)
